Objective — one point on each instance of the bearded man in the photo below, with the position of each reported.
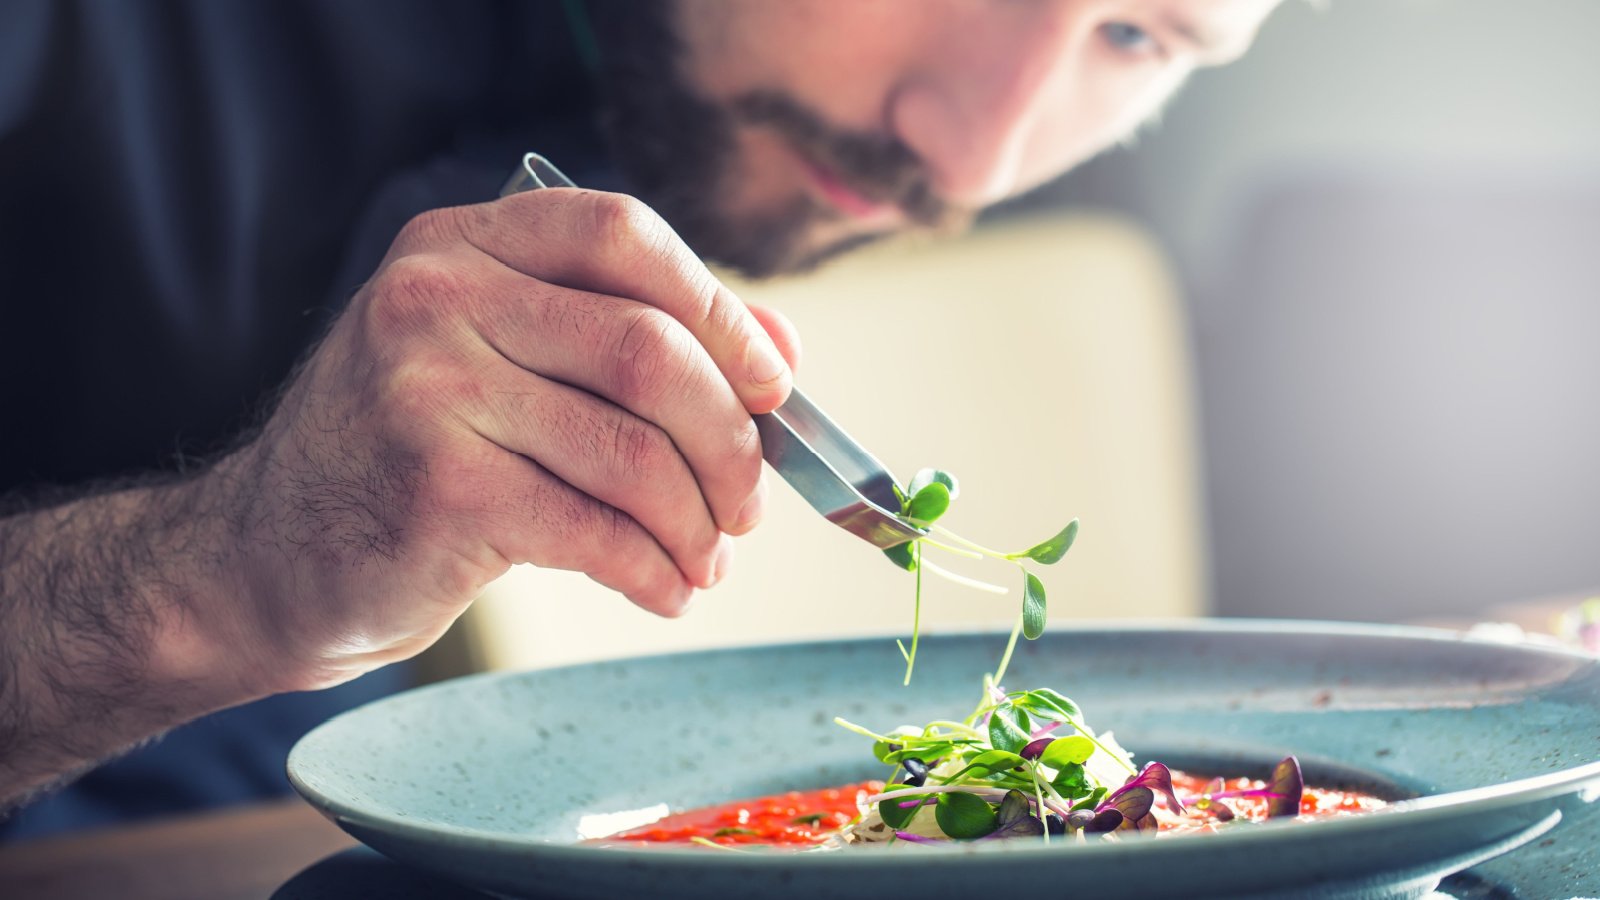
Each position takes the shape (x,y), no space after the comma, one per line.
(192,194)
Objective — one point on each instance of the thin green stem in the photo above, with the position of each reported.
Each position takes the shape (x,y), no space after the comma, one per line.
(962,580)
(1005,661)
(851,726)
(948,549)
(916,615)
(973,545)
(1038,794)
(954,726)
(1095,741)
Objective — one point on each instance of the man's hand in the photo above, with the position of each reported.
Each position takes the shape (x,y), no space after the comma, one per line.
(550,378)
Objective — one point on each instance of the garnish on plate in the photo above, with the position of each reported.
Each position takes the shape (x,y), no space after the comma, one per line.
(1025,764)
(925,500)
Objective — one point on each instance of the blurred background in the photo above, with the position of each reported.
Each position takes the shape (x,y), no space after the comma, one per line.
(1320,344)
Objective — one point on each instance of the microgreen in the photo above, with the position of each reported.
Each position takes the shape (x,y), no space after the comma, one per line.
(923,503)
(1048,553)
(812,819)
(897,816)
(1287,786)
(964,816)
(1155,777)
(1008,728)
(1068,751)
(927,505)
(1014,818)
(1032,606)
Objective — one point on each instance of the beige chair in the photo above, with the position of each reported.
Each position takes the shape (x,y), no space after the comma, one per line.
(1043,361)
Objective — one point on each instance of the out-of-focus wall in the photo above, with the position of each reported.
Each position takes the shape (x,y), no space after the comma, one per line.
(1386,218)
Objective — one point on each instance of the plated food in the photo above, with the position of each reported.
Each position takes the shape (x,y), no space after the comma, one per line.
(1023,766)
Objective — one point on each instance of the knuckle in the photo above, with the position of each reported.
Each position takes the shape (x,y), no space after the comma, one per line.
(640,450)
(650,359)
(416,390)
(620,220)
(411,293)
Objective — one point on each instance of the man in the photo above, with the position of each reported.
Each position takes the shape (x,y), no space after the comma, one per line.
(189,191)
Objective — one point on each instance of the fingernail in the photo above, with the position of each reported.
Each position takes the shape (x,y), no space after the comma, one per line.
(750,513)
(719,570)
(764,363)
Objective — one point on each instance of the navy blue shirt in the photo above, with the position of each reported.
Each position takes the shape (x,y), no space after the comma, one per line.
(189,191)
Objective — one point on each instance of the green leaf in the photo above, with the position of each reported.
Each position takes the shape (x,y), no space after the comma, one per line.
(987,763)
(1073,781)
(1068,751)
(925,477)
(1048,704)
(964,816)
(1050,552)
(900,555)
(1089,802)
(1033,615)
(812,819)
(1008,729)
(724,832)
(896,816)
(928,504)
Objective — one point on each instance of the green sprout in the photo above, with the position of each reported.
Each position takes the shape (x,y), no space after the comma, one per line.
(926,499)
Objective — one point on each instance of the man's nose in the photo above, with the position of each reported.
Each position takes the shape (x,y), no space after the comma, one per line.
(970,116)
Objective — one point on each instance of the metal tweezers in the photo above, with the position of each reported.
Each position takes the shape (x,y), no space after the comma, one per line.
(836,475)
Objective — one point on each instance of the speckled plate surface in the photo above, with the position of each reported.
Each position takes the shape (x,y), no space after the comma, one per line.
(485,780)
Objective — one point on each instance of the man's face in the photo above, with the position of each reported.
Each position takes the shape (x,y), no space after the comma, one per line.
(786,132)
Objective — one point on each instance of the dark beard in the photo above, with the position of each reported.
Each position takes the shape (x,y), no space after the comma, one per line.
(678,152)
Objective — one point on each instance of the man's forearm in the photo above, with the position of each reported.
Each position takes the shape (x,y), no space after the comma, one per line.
(112,630)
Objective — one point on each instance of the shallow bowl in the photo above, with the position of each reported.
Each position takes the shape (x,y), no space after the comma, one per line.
(487,780)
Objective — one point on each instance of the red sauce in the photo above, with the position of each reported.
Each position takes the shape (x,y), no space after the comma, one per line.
(802,819)
(1315,802)
(796,819)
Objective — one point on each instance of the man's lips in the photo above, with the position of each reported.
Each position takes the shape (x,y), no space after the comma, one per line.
(849,201)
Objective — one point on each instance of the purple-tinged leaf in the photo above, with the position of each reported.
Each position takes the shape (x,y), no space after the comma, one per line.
(1146,823)
(1027,826)
(1157,777)
(1287,786)
(1080,818)
(1103,821)
(1015,806)
(1015,818)
(1035,747)
(1134,802)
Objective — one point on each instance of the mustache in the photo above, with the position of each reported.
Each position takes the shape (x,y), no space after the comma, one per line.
(879,167)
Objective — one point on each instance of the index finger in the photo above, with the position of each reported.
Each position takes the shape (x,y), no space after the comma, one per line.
(614,244)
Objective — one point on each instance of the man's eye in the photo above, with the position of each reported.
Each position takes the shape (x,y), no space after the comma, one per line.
(1124,36)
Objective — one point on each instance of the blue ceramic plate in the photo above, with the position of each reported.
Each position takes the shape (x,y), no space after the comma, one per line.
(488,780)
